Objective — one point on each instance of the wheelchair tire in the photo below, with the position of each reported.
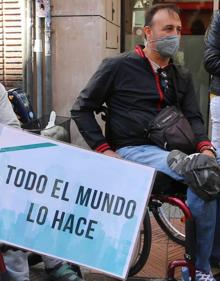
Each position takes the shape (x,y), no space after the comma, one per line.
(165,214)
(142,250)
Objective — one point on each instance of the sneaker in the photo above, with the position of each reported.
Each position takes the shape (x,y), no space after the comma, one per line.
(201,276)
(184,164)
(176,161)
(63,272)
(180,162)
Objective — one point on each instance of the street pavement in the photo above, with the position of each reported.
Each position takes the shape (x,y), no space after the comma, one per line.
(37,274)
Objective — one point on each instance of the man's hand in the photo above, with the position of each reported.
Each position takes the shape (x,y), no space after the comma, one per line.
(111,153)
(208,153)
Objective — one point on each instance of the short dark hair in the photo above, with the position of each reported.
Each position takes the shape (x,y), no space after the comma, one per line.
(149,14)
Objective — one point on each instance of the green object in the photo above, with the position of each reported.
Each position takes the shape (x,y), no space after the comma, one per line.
(63,272)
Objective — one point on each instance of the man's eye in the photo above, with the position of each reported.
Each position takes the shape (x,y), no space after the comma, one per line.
(169,28)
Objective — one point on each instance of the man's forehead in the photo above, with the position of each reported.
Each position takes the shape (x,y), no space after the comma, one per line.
(166,16)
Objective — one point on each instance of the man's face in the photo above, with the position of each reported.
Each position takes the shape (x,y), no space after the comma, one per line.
(164,23)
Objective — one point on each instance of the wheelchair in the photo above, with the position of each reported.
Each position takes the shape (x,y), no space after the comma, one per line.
(167,203)
(3,271)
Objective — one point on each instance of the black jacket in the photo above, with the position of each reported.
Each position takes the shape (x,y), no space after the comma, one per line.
(212,52)
(132,92)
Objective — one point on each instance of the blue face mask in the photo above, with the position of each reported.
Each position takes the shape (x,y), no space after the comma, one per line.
(167,46)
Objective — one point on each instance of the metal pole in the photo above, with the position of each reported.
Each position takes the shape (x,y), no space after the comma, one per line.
(29,55)
(215,5)
(24,42)
(4,80)
(48,84)
(39,62)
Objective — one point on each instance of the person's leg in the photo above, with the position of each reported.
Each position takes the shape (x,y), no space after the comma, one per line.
(151,156)
(60,271)
(16,262)
(203,212)
(17,265)
(215,118)
(215,257)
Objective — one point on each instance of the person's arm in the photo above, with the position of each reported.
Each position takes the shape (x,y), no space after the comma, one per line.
(96,92)
(7,115)
(212,46)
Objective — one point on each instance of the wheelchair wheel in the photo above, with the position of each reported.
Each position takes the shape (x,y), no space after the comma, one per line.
(171,219)
(142,250)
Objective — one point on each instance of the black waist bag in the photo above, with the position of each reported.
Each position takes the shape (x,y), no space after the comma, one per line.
(171,130)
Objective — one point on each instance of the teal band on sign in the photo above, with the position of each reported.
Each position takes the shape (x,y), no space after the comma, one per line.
(26,147)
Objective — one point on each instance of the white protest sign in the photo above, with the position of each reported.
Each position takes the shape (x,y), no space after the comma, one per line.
(70,203)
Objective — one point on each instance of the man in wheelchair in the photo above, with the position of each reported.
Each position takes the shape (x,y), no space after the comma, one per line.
(135,86)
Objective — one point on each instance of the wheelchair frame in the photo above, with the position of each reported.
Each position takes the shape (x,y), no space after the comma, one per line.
(188,260)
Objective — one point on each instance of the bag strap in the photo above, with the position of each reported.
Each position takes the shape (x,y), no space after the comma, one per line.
(174,70)
(140,52)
